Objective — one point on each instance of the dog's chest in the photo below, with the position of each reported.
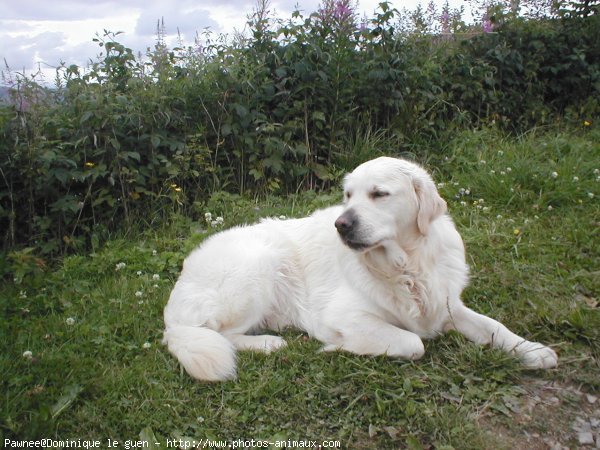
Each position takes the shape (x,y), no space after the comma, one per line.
(406,300)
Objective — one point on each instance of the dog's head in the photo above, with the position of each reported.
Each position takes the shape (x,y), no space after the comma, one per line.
(387,199)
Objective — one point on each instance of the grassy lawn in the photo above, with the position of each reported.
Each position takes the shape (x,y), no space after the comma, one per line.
(529,212)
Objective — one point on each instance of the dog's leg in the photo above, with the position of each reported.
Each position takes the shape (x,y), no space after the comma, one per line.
(484,330)
(369,335)
(263,343)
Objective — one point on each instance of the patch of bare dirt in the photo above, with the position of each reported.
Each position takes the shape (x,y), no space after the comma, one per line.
(550,415)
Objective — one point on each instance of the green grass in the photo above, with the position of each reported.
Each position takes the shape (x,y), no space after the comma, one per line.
(99,371)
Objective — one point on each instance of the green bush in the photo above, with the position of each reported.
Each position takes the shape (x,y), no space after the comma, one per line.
(528,72)
(291,106)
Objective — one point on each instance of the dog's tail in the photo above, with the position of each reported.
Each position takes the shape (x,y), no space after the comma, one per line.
(204,353)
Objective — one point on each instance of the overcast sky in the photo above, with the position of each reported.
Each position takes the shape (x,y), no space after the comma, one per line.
(46,32)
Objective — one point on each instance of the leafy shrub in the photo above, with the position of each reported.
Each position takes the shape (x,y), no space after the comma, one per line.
(528,71)
(292,106)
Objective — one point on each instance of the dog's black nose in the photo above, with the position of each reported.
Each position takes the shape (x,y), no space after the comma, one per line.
(345,223)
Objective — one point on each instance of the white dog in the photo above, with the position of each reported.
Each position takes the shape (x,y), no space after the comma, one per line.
(373,276)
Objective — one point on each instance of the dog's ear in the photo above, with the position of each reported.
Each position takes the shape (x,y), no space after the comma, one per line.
(431,205)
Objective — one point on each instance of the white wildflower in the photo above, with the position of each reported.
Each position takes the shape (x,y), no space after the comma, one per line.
(155,277)
(499,216)
(70,321)
(575,179)
(27,354)
(208,217)
(120,266)
(463,203)
(146,345)
(139,273)
(219,220)
(138,294)
(154,253)
(554,174)
(550,208)
(500,153)
(508,170)
(590,194)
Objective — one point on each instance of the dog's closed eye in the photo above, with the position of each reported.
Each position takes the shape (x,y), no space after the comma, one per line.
(378,194)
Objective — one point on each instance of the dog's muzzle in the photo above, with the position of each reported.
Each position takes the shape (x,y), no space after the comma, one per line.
(345,223)
(347,226)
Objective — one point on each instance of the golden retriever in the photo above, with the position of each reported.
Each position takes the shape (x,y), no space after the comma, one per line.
(373,276)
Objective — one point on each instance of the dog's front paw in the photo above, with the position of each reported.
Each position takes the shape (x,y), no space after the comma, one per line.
(536,356)
(397,257)
(272,343)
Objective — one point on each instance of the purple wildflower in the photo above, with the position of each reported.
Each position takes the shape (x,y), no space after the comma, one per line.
(445,21)
(338,14)
(342,11)
(487,25)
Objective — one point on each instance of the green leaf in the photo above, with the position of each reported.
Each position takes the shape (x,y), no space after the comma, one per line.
(115,143)
(321,171)
(122,100)
(241,110)
(155,140)
(133,155)
(85,116)
(274,163)
(149,439)
(412,443)
(71,393)
(226,129)
(319,116)
(256,174)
